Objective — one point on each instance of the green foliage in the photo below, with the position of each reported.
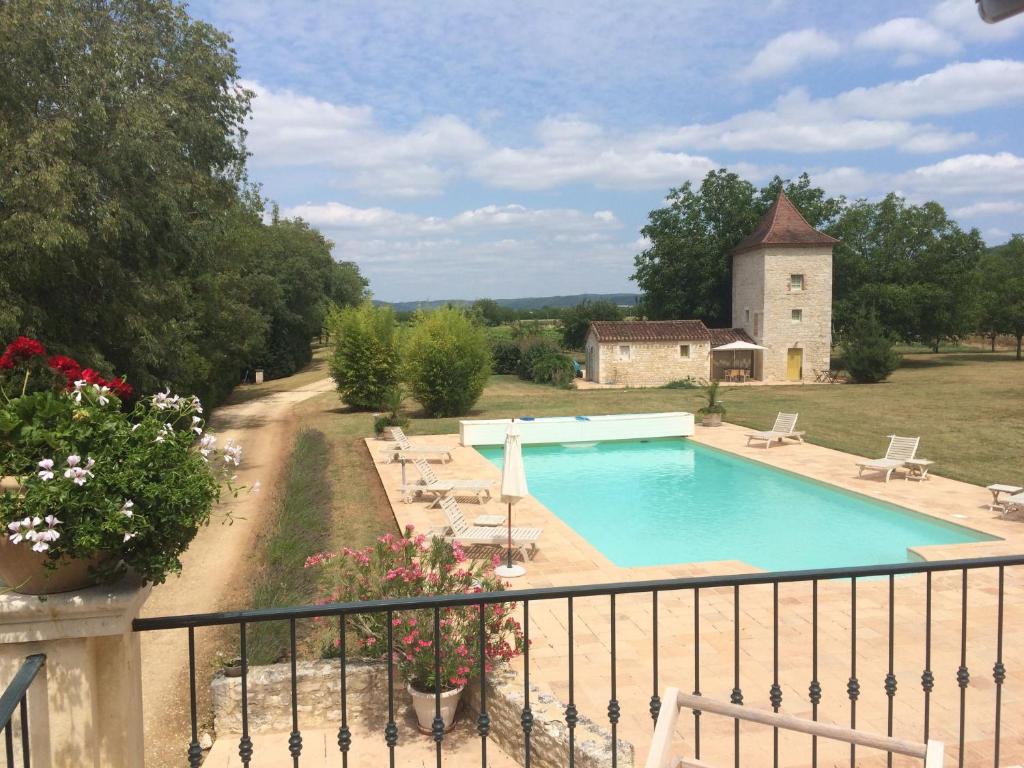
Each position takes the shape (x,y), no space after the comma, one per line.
(506,356)
(1001,290)
(365,364)
(576,321)
(713,405)
(394,417)
(302,514)
(447,362)
(555,369)
(912,265)
(129,488)
(685,273)
(126,197)
(531,350)
(688,383)
(492,313)
(868,353)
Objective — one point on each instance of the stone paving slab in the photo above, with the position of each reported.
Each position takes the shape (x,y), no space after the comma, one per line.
(565,558)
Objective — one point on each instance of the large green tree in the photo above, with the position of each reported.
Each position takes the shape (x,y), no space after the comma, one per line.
(911,264)
(576,320)
(686,270)
(1001,290)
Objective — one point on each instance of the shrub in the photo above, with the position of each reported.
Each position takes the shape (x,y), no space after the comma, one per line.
(714,405)
(688,383)
(868,353)
(447,362)
(506,356)
(394,417)
(532,349)
(365,364)
(413,566)
(556,369)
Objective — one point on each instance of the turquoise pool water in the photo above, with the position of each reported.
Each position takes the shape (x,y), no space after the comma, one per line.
(674,501)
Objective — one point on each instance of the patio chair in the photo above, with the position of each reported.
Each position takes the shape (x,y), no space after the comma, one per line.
(402,448)
(901,450)
(660,755)
(460,532)
(432,484)
(784,429)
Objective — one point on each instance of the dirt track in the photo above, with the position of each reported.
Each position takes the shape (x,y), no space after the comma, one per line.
(216,568)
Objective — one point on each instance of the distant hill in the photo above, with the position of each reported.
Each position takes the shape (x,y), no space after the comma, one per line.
(533,302)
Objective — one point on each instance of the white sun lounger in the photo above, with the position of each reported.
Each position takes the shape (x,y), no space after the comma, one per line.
(403,449)
(439,488)
(460,532)
(784,429)
(901,450)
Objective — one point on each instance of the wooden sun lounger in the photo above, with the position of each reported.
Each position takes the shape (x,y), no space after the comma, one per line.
(784,429)
(403,450)
(901,450)
(439,488)
(460,532)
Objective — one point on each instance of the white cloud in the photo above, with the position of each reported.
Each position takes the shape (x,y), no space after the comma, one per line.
(991,208)
(789,51)
(961,19)
(911,37)
(969,174)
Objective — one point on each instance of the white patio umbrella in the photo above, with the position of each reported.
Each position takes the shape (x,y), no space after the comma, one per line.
(513,488)
(737,346)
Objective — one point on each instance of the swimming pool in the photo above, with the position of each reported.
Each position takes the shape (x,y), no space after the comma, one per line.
(669,501)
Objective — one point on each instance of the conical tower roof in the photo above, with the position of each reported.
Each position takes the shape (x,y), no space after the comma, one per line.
(783,225)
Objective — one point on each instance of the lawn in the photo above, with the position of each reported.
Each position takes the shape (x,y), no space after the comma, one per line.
(968,409)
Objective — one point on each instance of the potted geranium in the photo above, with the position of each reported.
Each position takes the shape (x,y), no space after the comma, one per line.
(92,489)
(410,566)
(713,412)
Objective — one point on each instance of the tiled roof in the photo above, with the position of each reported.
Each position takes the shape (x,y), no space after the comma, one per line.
(783,225)
(650,330)
(720,336)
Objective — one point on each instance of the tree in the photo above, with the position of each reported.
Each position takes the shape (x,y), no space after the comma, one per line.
(1001,284)
(910,263)
(686,272)
(365,364)
(576,321)
(447,361)
(492,312)
(867,352)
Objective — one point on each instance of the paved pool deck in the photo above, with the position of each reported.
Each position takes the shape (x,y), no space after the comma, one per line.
(565,558)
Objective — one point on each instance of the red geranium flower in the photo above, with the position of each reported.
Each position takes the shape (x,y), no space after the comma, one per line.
(22,348)
(66,366)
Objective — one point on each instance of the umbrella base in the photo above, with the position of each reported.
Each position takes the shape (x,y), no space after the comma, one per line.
(509,571)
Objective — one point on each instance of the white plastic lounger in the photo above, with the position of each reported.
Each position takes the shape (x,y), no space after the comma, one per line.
(461,532)
(439,488)
(403,449)
(784,429)
(661,752)
(901,450)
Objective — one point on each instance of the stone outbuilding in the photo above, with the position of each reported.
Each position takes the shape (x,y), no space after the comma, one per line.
(781,317)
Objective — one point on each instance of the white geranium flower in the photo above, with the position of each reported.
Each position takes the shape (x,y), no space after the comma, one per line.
(129,536)
(232,453)
(46,469)
(74,460)
(126,508)
(77,474)
(196,422)
(101,394)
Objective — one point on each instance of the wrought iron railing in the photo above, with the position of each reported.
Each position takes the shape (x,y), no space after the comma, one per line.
(861,580)
(14,703)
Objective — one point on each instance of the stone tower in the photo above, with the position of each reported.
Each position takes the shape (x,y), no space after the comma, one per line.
(782,294)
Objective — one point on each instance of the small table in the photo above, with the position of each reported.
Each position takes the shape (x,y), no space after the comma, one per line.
(996,489)
(489,521)
(917,469)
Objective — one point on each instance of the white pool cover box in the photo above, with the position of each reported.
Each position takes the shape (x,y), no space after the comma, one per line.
(578,429)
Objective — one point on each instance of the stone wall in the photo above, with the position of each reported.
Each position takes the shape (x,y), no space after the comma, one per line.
(652,364)
(319,696)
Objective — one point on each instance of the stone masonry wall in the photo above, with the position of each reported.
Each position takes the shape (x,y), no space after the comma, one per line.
(652,364)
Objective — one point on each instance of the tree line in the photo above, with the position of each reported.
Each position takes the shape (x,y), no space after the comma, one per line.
(130,235)
(924,278)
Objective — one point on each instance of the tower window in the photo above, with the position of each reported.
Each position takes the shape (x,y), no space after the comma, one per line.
(797,315)
(746,316)
(796,282)
(684,351)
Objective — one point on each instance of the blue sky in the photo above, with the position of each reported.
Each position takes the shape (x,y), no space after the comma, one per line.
(468,149)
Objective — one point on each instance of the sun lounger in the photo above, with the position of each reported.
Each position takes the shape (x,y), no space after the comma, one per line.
(432,484)
(662,752)
(403,449)
(901,450)
(784,429)
(461,532)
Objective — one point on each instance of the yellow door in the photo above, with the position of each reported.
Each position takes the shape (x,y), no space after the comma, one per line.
(794,364)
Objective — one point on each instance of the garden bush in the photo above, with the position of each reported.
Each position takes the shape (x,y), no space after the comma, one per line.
(868,353)
(556,369)
(365,364)
(447,361)
(506,356)
(532,349)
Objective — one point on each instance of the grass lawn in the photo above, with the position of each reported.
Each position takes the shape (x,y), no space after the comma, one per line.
(968,409)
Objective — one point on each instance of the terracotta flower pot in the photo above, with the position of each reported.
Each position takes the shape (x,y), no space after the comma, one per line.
(425,707)
(25,571)
(711,420)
